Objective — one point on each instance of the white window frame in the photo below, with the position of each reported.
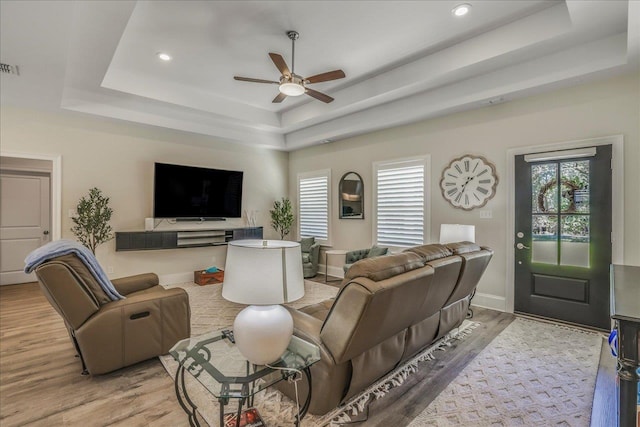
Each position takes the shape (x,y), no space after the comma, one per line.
(425,162)
(324,173)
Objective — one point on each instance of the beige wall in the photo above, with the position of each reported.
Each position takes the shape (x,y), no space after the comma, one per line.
(118,158)
(591,110)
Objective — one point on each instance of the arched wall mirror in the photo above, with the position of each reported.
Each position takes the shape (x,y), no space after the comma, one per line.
(351,196)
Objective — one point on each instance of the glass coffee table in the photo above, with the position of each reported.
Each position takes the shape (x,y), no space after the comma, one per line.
(214,360)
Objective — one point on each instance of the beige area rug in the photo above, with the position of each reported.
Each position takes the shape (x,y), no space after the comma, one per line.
(209,311)
(532,374)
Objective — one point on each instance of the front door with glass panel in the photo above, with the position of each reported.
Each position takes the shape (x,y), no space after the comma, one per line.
(563,236)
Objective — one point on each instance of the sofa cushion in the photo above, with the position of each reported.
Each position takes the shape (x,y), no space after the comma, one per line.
(462,247)
(306,257)
(382,268)
(306,243)
(376,251)
(431,252)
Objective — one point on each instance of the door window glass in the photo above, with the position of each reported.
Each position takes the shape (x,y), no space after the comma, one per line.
(560,237)
(574,186)
(545,239)
(574,242)
(543,187)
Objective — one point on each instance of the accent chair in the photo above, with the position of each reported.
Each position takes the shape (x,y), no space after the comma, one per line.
(310,256)
(110,335)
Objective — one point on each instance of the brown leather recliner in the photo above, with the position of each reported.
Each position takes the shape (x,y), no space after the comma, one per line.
(107,334)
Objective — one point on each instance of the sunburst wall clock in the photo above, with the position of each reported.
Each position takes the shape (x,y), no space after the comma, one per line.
(469,182)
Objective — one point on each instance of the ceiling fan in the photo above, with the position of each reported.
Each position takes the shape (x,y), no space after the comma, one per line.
(292,84)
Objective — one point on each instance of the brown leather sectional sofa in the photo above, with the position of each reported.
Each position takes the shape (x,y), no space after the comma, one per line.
(388,309)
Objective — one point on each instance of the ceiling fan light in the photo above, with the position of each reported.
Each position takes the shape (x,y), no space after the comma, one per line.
(292,89)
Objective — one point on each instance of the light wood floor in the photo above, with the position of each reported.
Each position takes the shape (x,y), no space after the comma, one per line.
(40,381)
(41,385)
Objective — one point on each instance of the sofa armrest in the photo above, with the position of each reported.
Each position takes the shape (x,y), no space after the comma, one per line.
(329,381)
(306,326)
(128,331)
(139,282)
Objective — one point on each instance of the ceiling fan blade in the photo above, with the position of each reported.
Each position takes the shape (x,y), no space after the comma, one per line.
(281,96)
(281,65)
(248,79)
(325,77)
(319,95)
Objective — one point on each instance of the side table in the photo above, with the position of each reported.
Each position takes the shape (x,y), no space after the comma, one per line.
(326,262)
(214,360)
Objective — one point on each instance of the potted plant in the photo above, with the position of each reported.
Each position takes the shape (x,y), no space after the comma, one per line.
(282,216)
(92,220)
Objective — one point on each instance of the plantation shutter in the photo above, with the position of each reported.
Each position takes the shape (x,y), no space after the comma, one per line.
(400,206)
(314,207)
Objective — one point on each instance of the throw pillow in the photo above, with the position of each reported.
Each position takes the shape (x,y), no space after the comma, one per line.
(376,251)
(306,243)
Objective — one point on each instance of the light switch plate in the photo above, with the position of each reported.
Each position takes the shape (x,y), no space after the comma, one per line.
(486,214)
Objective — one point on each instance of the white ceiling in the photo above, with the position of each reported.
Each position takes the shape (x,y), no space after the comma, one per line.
(404,61)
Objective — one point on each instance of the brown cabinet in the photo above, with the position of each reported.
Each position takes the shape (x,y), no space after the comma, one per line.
(625,312)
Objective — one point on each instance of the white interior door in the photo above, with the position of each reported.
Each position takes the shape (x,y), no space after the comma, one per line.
(24,222)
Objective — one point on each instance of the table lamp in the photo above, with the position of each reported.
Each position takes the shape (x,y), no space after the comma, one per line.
(263,273)
(451,233)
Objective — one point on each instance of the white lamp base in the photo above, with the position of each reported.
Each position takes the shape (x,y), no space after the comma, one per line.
(263,332)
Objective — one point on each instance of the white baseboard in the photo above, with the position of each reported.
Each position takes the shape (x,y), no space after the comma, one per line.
(489,301)
(333,270)
(169,279)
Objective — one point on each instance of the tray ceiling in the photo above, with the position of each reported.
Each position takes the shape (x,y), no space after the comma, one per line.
(404,61)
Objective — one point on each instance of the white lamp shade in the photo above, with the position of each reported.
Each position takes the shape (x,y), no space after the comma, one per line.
(263,272)
(450,233)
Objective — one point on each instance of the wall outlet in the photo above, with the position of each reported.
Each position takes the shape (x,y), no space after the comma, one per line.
(110,270)
(486,214)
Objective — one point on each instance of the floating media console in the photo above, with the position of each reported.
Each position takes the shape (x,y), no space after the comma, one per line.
(178,239)
(202,219)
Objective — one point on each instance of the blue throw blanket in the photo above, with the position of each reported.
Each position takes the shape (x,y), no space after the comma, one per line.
(65,247)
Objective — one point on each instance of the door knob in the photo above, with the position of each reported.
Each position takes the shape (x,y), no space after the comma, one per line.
(521,246)
(45,232)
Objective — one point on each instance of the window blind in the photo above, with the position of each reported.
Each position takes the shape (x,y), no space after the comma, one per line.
(400,205)
(314,207)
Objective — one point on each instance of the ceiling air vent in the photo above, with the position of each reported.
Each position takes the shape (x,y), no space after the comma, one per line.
(9,69)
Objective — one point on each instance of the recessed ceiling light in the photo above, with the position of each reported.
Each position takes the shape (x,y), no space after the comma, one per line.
(461,9)
(164,56)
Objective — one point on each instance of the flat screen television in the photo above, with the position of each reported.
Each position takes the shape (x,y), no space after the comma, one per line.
(191,192)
